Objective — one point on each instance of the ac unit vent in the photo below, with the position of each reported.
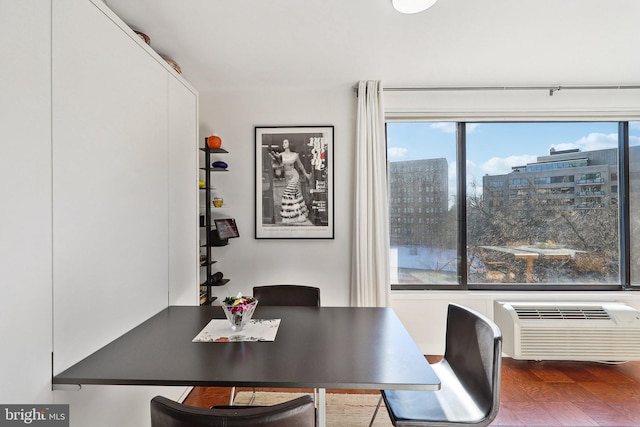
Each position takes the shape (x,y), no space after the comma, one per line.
(569,330)
(561,312)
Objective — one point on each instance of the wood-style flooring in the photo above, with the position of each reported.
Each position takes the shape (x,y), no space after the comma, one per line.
(547,394)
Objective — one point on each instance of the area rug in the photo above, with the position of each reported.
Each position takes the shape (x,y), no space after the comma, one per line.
(343,410)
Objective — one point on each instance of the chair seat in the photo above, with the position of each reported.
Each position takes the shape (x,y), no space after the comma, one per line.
(299,412)
(448,406)
(469,375)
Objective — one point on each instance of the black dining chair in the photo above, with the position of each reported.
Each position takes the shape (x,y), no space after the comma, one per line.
(469,374)
(284,295)
(287,295)
(299,412)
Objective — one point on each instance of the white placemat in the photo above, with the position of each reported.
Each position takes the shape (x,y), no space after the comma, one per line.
(219,330)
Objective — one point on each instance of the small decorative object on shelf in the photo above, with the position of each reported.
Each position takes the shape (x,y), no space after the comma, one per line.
(143,36)
(214,141)
(216,278)
(219,165)
(173,63)
(218,202)
(239,310)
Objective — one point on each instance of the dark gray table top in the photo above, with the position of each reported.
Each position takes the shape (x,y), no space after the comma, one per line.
(327,347)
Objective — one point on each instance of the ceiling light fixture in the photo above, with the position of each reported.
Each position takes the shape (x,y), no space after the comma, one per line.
(412,6)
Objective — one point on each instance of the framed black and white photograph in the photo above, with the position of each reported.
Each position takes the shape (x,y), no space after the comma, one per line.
(294,182)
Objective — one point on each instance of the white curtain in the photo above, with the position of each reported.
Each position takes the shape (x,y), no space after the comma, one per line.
(370,283)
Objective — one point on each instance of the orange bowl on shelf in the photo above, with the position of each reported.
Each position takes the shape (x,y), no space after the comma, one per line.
(214,141)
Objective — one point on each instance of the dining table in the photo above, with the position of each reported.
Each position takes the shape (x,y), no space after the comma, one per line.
(365,348)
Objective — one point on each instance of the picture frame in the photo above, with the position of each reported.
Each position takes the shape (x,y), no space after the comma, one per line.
(294,182)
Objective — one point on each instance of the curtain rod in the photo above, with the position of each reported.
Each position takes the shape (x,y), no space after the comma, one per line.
(551,89)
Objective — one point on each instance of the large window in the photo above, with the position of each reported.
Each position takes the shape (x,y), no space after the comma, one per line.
(422,199)
(540,205)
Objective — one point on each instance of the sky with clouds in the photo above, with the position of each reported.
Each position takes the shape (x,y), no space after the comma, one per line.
(494,148)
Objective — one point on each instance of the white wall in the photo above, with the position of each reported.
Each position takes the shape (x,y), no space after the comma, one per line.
(247,261)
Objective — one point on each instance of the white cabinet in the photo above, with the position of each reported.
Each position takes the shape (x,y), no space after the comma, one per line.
(25,200)
(183,193)
(124,181)
(98,168)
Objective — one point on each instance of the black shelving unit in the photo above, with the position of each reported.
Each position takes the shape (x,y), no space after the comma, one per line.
(205,287)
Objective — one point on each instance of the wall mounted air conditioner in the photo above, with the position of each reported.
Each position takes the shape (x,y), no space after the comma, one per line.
(587,331)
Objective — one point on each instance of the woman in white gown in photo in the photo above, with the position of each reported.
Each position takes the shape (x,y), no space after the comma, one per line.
(293,209)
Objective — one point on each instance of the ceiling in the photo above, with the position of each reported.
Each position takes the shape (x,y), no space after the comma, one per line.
(278,44)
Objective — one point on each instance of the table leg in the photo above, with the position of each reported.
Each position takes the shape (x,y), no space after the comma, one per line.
(322,407)
(529,270)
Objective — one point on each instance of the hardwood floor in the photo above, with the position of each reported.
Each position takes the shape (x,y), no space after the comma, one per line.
(577,394)
(546,394)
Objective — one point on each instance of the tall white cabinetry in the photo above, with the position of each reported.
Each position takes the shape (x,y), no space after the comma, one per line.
(25,200)
(183,192)
(100,201)
(124,181)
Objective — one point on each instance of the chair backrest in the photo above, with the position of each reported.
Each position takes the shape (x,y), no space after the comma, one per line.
(299,412)
(287,295)
(473,350)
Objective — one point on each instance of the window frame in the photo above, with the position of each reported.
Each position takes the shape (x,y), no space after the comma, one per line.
(624,233)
